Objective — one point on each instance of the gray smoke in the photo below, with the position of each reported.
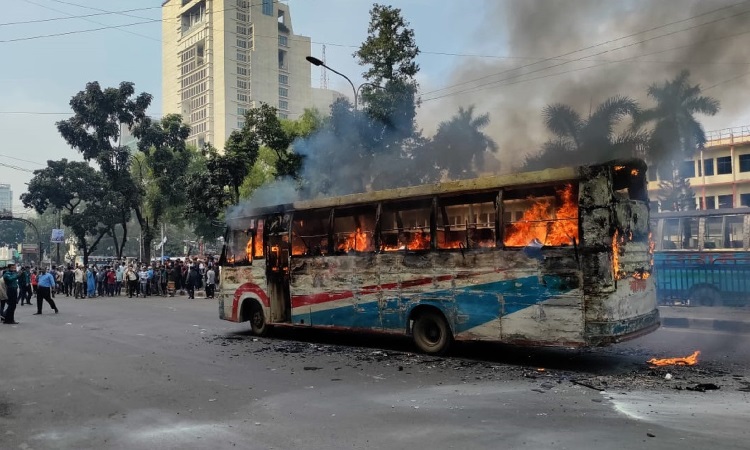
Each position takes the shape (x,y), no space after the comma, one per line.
(713,53)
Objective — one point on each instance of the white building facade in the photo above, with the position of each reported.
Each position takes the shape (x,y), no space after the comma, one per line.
(720,173)
(222,57)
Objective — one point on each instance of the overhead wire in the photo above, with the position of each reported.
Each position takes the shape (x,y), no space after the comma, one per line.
(54,19)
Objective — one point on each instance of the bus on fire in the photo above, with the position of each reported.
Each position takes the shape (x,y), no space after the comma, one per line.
(559,257)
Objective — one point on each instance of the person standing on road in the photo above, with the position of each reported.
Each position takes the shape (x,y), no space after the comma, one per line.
(46,284)
(143,279)
(119,275)
(210,282)
(132,279)
(10,278)
(33,282)
(3,294)
(24,285)
(80,277)
(111,280)
(90,282)
(68,281)
(193,280)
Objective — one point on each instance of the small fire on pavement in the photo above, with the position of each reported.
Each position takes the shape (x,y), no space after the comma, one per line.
(684,361)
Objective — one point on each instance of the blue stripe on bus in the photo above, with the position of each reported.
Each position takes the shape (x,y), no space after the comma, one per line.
(470,307)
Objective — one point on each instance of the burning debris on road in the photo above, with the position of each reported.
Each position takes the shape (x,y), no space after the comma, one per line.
(690,360)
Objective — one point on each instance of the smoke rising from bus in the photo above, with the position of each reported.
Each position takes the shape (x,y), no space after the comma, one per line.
(537,29)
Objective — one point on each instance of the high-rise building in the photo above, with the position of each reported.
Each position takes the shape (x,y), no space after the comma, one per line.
(221,57)
(6,200)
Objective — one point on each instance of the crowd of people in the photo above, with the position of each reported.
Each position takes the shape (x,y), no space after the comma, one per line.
(118,278)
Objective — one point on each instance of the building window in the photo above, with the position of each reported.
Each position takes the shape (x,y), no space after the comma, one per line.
(283,115)
(243,3)
(241,70)
(268,7)
(687,170)
(745,163)
(282,60)
(744,199)
(242,84)
(241,111)
(723,166)
(283,40)
(711,202)
(241,56)
(242,97)
(283,104)
(241,30)
(726,201)
(241,17)
(283,79)
(708,167)
(240,124)
(283,92)
(241,43)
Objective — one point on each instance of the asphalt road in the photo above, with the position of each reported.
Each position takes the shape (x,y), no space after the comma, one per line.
(168,374)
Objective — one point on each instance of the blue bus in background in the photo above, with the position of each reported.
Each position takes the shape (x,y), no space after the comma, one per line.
(702,258)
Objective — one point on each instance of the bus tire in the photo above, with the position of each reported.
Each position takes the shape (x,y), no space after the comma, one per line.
(258,324)
(431,332)
(705,296)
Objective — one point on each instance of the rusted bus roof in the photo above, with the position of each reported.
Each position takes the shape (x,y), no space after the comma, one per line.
(488,183)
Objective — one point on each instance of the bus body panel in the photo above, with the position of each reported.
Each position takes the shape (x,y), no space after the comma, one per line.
(240,284)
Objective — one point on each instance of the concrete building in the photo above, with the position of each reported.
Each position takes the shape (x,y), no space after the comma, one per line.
(6,200)
(221,57)
(720,174)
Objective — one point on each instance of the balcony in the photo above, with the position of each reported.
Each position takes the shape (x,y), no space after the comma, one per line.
(728,136)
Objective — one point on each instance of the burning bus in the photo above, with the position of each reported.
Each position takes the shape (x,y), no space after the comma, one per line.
(560,257)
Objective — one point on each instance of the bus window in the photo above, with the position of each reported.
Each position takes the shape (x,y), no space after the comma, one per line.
(238,246)
(310,233)
(671,234)
(257,239)
(466,222)
(354,230)
(547,215)
(733,235)
(713,237)
(689,228)
(405,226)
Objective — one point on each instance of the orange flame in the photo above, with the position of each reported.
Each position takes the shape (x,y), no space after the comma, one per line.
(686,361)
(616,254)
(633,172)
(539,223)
(358,241)
(249,248)
(418,240)
(259,240)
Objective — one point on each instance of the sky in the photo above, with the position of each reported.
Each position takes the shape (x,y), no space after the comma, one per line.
(41,74)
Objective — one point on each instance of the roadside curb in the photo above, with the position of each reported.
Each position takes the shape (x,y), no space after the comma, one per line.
(731,326)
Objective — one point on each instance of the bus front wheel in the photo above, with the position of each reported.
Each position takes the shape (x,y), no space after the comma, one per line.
(257,320)
(431,332)
(705,296)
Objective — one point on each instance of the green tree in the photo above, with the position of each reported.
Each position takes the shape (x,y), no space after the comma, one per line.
(582,141)
(94,130)
(389,52)
(676,194)
(12,233)
(165,163)
(676,133)
(459,146)
(81,194)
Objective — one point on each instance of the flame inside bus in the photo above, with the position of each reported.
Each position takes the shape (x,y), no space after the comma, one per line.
(543,223)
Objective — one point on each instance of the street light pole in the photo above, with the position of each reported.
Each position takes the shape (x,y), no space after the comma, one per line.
(316,62)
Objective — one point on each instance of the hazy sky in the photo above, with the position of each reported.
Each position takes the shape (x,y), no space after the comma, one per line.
(40,75)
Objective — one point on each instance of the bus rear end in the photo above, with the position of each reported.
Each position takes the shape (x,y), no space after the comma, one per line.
(617,253)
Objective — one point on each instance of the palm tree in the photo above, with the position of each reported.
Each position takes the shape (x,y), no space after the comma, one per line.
(460,145)
(676,134)
(579,141)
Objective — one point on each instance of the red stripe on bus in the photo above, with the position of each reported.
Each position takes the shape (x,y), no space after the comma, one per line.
(243,289)
(324,297)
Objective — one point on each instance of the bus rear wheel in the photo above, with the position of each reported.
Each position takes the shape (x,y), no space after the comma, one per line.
(258,324)
(431,333)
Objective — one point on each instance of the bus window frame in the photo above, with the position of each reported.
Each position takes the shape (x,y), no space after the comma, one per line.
(441,203)
(329,212)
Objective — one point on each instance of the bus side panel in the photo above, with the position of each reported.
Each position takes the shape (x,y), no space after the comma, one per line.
(238,284)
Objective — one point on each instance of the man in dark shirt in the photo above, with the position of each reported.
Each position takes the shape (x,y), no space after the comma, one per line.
(10,278)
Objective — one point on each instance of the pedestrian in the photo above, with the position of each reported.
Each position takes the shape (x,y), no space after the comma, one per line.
(193,280)
(90,282)
(111,280)
(68,281)
(3,294)
(80,278)
(10,277)
(132,279)
(210,282)
(24,284)
(33,281)
(100,282)
(46,284)
(143,279)
(119,275)
(163,280)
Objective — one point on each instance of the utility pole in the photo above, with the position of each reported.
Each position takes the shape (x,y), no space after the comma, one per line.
(59,225)
(162,242)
